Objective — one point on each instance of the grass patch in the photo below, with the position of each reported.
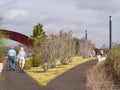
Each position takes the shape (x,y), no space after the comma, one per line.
(43,78)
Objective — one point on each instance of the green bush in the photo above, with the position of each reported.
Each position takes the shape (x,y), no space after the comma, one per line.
(36,60)
(28,64)
(112,65)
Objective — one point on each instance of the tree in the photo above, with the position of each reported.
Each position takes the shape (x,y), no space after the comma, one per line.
(3,38)
(83,47)
(66,47)
(77,44)
(37,39)
(38,35)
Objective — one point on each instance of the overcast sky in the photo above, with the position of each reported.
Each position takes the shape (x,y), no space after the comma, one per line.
(68,15)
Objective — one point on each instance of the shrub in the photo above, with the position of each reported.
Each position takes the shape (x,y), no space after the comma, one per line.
(36,60)
(28,64)
(112,65)
(106,75)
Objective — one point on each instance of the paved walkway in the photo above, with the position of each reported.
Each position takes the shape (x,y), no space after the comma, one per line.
(74,79)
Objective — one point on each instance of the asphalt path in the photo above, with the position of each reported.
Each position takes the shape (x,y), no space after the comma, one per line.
(74,79)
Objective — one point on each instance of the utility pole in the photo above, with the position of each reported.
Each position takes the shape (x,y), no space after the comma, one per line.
(110,32)
(86,35)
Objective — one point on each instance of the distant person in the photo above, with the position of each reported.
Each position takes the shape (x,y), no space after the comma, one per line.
(101,52)
(11,58)
(21,57)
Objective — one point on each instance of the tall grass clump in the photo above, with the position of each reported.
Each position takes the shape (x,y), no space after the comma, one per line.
(112,65)
(98,80)
(106,74)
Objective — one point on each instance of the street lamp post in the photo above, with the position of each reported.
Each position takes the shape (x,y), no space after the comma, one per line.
(110,32)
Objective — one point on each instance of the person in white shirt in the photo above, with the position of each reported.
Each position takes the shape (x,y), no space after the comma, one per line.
(21,57)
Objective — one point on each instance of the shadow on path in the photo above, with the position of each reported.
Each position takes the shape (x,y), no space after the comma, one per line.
(74,79)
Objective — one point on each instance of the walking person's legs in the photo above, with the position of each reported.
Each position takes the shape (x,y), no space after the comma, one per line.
(10,63)
(13,64)
(21,64)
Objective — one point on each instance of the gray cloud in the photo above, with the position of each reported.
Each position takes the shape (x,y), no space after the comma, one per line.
(99,5)
(75,15)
